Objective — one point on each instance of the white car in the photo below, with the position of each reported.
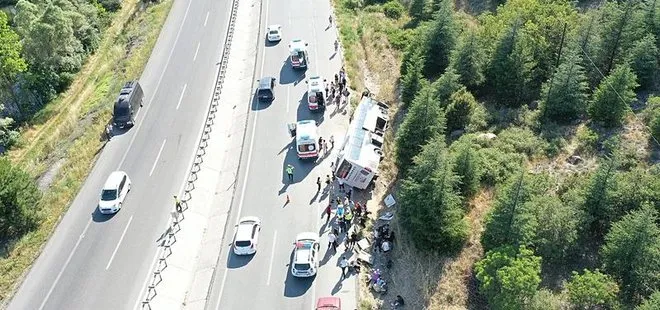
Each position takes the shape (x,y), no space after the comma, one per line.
(247,235)
(114,192)
(306,255)
(274,33)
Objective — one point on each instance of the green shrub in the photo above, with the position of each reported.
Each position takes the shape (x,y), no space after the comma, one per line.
(592,290)
(393,9)
(521,140)
(19,197)
(587,140)
(546,300)
(110,5)
(497,165)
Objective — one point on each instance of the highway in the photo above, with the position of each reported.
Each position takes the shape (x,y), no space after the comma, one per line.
(264,281)
(100,262)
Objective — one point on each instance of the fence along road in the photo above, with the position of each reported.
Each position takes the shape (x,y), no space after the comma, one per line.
(84,265)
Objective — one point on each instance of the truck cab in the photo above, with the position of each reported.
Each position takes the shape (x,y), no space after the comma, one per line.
(298,54)
(316,93)
(127,105)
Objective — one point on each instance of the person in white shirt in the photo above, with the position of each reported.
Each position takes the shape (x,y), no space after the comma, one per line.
(332,241)
(343,264)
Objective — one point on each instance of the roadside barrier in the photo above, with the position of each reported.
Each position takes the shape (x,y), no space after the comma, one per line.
(169,237)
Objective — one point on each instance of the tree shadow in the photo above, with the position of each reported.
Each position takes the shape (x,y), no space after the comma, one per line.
(296,287)
(289,75)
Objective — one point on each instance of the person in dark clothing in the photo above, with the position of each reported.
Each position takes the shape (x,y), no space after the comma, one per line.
(350,192)
(336,79)
(398,302)
(354,237)
(318,184)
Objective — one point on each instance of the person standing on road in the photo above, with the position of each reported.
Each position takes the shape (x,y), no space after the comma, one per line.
(177,204)
(332,142)
(289,172)
(349,193)
(320,144)
(332,241)
(354,237)
(327,212)
(330,19)
(343,264)
(318,184)
(341,185)
(325,147)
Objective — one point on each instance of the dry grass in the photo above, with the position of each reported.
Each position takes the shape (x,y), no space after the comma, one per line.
(69,128)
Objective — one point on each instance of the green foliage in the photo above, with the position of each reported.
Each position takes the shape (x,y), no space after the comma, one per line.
(612,99)
(56,37)
(597,197)
(654,124)
(459,111)
(498,165)
(643,59)
(412,80)
(440,40)
(393,9)
(631,254)
(587,140)
(592,290)
(520,140)
(445,86)
(508,278)
(545,300)
(11,62)
(509,72)
(564,96)
(618,26)
(424,120)
(419,10)
(632,190)
(8,136)
(19,197)
(510,220)
(430,208)
(468,61)
(111,5)
(467,166)
(651,303)
(556,234)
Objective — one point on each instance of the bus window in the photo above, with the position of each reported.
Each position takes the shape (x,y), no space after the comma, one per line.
(344,169)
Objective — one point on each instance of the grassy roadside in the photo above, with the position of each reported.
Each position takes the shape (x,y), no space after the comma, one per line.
(65,136)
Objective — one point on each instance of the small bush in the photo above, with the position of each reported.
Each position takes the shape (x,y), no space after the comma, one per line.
(521,140)
(497,165)
(587,140)
(110,5)
(393,9)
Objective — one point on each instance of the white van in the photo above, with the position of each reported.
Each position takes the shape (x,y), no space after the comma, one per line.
(114,192)
(316,93)
(307,138)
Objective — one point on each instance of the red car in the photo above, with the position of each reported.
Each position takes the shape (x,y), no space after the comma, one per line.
(328,303)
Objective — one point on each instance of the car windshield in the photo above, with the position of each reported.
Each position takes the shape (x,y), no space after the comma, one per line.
(274,31)
(109,194)
(265,92)
(302,267)
(242,243)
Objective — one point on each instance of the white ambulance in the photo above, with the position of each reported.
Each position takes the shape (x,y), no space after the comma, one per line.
(298,52)
(307,138)
(316,93)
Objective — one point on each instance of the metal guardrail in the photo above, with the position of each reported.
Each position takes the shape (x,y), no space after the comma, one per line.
(165,248)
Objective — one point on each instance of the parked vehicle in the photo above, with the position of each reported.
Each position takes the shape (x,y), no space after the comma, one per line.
(127,105)
(114,192)
(298,54)
(306,255)
(274,33)
(265,89)
(316,93)
(328,303)
(306,133)
(247,235)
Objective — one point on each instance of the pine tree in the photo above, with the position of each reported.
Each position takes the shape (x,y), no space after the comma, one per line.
(612,99)
(441,39)
(430,209)
(631,253)
(467,167)
(423,121)
(597,198)
(644,61)
(412,80)
(445,86)
(468,61)
(564,97)
(510,69)
(461,106)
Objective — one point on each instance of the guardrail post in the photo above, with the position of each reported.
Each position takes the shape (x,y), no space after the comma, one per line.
(162,264)
(146,303)
(158,276)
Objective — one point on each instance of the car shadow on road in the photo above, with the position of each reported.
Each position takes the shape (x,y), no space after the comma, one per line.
(296,287)
(99,217)
(304,113)
(237,261)
(289,75)
(271,43)
(258,105)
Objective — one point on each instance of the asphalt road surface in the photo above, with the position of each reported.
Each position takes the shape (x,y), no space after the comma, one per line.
(264,281)
(100,262)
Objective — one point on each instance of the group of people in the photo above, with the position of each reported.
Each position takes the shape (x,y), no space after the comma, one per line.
(337,88)
(383,238)
(323,145)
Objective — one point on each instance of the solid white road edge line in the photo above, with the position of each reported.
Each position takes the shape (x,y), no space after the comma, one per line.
(207,18)
(247,166)
(157,157)
(272,257)
(66,263)
(160,79)
(197,51)
(183,92)
(119,243)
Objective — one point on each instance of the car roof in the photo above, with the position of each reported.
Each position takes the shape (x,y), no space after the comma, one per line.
(113,180)
(303,256)
(264,82)
(329,302)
